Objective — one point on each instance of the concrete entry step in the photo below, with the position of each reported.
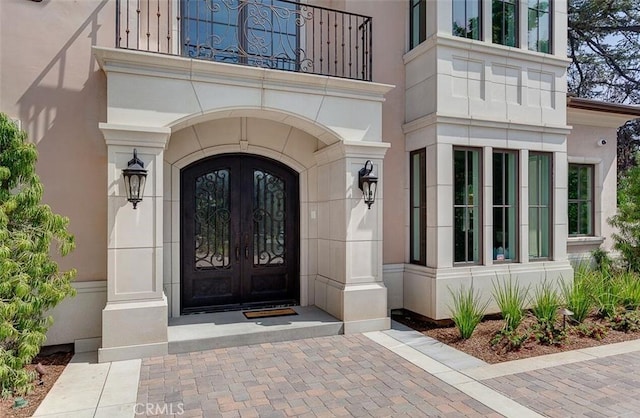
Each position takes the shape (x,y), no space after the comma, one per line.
(230,329)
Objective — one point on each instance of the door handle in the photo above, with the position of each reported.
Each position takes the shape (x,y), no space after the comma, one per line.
(237,252)
(246,246)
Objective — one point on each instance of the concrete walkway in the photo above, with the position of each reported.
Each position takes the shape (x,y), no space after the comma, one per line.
(392,373)
(88,389)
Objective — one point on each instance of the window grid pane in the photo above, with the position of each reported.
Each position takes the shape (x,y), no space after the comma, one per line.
(505,22)
(418,238)
(466,18)
(580,202)
(418,29)
(539,26)
(467,199)
(540,206)
(505,178)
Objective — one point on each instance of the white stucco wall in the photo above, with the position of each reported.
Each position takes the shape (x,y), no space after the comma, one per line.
(584,147)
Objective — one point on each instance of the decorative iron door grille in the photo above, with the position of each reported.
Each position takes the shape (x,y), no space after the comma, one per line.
(239,234)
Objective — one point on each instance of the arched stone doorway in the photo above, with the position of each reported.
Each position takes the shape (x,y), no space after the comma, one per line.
(249,137)
(324,128)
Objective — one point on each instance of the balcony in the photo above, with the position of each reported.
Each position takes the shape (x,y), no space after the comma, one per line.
(277,34)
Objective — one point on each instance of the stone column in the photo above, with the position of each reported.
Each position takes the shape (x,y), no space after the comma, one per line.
(134,321)
(349,284)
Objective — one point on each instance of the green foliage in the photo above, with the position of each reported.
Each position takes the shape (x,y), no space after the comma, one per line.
(467,310)
(628,140)
(510,340)
(626,321)
(610,292)
(604,263)
(546,303)
(576,296)
(605,293)
(604,47)
(595,331)
(5,394)
(628,290)
(511,299)
(30,282)
(627,220)
(548,334)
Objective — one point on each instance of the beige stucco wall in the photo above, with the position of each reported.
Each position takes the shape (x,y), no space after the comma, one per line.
(50,80)
(389,45)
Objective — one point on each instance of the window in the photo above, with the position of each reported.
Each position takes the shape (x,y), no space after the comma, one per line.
(539,205)
(505,22)
(418,16)
(466,18)
(262,34)
(540,25)
(505,208)
(466,205)
(580,200)
(418,225)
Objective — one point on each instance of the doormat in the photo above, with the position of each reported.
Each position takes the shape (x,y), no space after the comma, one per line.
(269,313)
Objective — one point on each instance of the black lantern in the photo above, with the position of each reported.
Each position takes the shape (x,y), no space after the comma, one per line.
(368,183)
(135,177)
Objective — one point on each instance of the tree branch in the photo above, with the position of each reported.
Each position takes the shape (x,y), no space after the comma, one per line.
(632,28)
(596,47)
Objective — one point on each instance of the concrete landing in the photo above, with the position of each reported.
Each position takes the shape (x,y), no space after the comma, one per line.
(230,329)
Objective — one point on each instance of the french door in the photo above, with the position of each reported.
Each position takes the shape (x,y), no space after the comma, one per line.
(239,234)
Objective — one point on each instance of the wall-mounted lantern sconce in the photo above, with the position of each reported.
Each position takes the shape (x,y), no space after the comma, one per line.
(368,183)
(135,177)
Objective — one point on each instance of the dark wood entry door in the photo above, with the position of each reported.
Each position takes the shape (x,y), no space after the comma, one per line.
(239,234)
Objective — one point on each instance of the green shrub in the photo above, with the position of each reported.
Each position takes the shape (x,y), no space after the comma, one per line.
(576,296)
(30,283)
(595,331)
(604,263)
(467,310)
(548,334)
(605,291)
(626,321)
(628,290)
(511,299)
(546,303)
(545,306)
(626,221)
(510,340)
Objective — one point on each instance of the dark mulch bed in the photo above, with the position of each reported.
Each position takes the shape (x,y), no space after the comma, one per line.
(479,345)
(54,361)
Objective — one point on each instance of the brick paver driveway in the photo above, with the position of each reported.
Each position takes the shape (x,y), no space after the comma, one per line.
(331,376)
(605,387)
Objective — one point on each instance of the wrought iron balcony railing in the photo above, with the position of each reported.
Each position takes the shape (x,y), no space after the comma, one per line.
(278,34)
